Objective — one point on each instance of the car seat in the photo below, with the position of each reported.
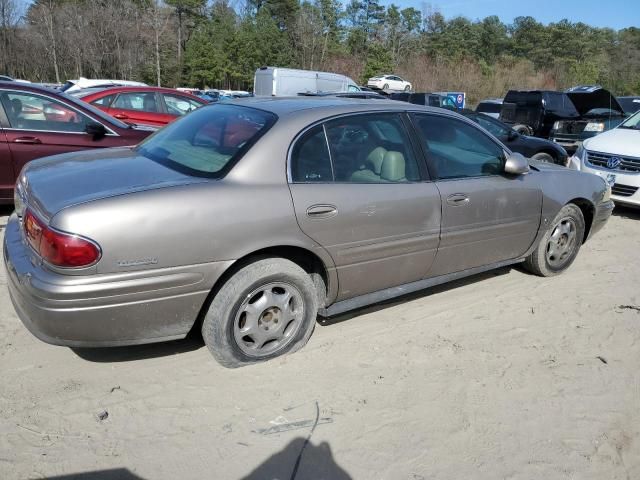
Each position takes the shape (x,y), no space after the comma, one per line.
(393,167)
(149,104)
(370,171)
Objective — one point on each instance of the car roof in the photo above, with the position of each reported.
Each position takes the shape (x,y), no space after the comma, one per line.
(325,105)
(30,87)
(111,90)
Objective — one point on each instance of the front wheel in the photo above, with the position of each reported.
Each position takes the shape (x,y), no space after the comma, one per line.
(407,88)
(385,86)
(560,244)
(266,309)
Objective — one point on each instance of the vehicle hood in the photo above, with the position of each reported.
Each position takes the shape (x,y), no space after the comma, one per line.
(53,183)
(595,98)
(619,141)
(547,167)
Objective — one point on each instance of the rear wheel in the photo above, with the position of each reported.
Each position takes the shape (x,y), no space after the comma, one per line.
(560,244)
(544,157)
(265,310)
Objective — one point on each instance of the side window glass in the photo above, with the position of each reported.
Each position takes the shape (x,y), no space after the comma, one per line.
(310,160)
(141,102)
(177,105)
(494,128)
(33,112)
(104,101)
(371,149)
(458,150)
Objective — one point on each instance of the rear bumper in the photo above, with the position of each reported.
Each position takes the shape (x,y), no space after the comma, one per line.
(104,310)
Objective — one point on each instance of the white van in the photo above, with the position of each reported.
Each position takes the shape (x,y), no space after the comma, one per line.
(286,82)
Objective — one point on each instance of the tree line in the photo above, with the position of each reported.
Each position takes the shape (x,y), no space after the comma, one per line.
(217,44)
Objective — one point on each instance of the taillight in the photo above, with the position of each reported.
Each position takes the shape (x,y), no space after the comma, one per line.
(57,248)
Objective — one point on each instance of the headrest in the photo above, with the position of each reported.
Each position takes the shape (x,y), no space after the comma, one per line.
(393,167)
(375,158)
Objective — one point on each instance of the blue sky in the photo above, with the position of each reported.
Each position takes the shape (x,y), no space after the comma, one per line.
(614,14)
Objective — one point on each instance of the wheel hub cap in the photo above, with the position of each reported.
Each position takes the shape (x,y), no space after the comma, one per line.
(562,242)
(268,319)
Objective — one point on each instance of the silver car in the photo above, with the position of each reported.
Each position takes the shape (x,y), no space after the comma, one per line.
(246,220)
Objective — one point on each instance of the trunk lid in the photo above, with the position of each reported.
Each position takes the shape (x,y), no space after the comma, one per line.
(53,183)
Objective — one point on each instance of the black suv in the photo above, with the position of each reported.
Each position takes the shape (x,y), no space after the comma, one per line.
(534,112)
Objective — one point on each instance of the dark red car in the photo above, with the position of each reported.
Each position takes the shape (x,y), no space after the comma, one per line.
(143,105)
(37,122)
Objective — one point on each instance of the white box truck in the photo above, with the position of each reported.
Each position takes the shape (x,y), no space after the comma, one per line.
(287,82)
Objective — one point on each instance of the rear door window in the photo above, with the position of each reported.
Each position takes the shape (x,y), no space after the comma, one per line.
(138,101)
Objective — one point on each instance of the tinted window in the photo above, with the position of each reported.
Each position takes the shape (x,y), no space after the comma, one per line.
(310,160)
(372,148)
(104,101)
(489,107)
(33,112)
(458,150)
(629,104)
(495,128)
(139,101)
(209,141)
(177,105)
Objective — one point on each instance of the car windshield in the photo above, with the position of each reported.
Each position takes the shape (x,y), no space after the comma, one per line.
(632,122)
(208,141)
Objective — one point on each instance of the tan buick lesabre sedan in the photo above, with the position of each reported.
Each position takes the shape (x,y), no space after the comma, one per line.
(248,219)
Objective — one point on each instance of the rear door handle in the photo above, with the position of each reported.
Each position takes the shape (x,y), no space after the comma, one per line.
(322,211)
(30,140)
(458,199)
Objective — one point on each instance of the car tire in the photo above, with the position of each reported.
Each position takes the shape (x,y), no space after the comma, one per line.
(544,157)
(407,88)
(266,309)
(385,86)
(560,244)
(523,130)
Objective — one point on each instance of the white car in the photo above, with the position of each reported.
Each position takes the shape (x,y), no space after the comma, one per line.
(615,156)
(389,82)
(73,85)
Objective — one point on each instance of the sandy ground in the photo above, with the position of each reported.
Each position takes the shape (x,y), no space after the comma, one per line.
(503,376)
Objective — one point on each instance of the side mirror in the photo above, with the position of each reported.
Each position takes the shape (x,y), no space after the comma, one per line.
(516,164)
(96,130)
(512,135)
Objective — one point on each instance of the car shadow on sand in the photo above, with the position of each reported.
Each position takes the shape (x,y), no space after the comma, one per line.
(416,295)
(140,352)
(627,212)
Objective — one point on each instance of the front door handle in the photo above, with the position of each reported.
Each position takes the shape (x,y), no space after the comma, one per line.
(121,116)
(322,211)
(28,140)
(458,199)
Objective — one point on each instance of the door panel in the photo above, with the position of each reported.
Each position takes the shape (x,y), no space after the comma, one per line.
(7,174)
(498,221)
(380,235)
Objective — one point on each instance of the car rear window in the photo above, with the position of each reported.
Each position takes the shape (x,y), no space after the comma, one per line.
(208,141)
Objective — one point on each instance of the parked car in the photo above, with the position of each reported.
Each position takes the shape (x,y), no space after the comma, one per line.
(284,82)
(534,112)
(615,156)
(73,85)
(598,112)
(490,107)
(256,215)
(144,105)
(531,147)
(427,99)
(630,105)
(389,82)
(36,122)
